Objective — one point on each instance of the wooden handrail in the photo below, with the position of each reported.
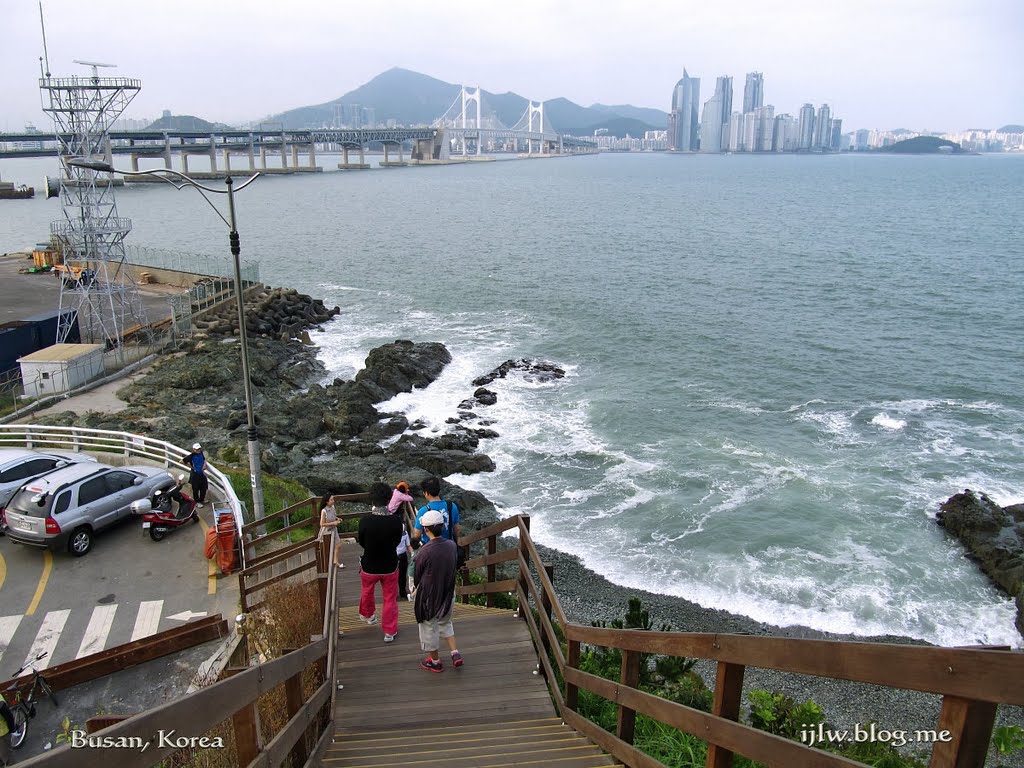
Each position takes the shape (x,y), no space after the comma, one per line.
(971,673)
(972,681)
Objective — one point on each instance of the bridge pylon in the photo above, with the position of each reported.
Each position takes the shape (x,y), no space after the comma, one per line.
(535,113)
(469,96)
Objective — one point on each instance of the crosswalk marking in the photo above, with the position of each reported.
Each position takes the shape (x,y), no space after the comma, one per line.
(46,638)
(148,620)
(8,626)
(96,633)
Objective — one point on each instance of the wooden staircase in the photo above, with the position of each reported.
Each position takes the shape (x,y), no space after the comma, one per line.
(547,743)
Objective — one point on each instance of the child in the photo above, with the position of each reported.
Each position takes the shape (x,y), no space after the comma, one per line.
(404,551)
(399,496)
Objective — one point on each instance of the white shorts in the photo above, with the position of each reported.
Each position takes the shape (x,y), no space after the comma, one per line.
(432,631)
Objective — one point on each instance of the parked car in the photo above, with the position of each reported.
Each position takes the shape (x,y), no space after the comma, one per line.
(20,465)
(64,509)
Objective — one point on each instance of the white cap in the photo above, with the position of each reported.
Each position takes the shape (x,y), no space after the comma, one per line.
(431,517)
(197,447)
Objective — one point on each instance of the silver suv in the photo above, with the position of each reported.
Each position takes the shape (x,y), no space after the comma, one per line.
(65,508)
(19,465)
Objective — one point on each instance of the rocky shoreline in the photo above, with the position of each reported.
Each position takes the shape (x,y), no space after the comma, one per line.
(331,438)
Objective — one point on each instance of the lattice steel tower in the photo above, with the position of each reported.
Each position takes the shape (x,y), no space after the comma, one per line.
(96,284)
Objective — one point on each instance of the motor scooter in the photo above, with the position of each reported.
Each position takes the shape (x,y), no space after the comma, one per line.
(158,515)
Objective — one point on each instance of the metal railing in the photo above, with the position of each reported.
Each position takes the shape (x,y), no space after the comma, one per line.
(123,444)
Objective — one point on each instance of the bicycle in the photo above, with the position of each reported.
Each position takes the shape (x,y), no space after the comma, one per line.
(24,707)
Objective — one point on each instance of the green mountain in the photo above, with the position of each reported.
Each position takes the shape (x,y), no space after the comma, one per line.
(922,145)
(185,123)
(411,98)
(656,118)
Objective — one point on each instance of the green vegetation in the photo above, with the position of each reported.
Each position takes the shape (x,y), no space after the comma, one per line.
(922,145)
(278,493)
(1006,740)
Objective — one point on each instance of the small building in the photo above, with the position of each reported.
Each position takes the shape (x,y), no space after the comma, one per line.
(60,368)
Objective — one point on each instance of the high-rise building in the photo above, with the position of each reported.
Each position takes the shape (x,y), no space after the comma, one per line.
(765,130)
(753,92)
(806,127)
(735,132)
(823,128)
(684,136)
(711,125)
(715,118)
(837,134)
(748,140)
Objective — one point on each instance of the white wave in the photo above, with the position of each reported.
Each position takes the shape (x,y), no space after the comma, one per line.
(885,421)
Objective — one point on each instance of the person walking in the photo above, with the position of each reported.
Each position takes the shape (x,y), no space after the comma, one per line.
(197,474)
(449,512)
(380,533)
(329,527)
(434,579)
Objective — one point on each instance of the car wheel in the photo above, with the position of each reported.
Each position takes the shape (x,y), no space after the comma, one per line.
(80,542)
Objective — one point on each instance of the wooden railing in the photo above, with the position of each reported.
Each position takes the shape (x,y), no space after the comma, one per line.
(971,682)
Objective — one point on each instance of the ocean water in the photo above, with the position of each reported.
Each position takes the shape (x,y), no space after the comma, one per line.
(777,367)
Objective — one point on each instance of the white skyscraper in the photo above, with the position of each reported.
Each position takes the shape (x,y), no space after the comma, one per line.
(806,127)
(684,120)
(823,128)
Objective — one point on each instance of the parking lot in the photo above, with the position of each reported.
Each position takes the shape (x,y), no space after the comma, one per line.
(128,587)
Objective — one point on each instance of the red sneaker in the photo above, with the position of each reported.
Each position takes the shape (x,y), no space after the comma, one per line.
(434,665)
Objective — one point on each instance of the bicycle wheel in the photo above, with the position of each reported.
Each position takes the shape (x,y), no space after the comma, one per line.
(20,726)
(45,686)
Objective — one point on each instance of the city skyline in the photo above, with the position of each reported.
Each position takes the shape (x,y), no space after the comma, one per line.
(883,66)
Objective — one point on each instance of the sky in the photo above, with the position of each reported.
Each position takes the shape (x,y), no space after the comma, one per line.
(941,65)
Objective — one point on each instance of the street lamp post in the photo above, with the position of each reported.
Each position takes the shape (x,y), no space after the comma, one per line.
(170,176)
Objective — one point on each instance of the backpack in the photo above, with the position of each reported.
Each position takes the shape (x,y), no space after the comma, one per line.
(460,562)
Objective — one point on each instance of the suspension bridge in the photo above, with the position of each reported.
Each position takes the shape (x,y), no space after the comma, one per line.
(468,130)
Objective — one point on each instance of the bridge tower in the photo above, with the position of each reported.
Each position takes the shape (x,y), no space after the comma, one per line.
(536,113)
(471,95)
(96,286)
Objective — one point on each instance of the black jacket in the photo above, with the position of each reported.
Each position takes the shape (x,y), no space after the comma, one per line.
(434,577)
(379,536)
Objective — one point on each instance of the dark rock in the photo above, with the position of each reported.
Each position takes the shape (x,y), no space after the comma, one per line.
(385,428)
(403,366)
(532,370)
(485,396)
(993,536)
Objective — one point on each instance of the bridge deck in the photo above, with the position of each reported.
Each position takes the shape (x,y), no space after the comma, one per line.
(492,711)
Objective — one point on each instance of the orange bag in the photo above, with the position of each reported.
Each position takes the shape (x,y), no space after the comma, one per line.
(211,543)
(225,538)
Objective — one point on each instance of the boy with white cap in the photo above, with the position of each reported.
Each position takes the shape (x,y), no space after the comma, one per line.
(434,577)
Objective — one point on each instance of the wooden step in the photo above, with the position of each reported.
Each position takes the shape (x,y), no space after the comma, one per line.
(536,742)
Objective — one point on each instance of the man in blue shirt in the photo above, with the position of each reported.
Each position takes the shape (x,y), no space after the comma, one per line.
(449,512)
(197,474)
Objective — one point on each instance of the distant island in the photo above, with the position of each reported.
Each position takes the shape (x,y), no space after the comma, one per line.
(923,145)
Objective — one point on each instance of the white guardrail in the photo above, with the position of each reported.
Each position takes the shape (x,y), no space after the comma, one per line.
(126,444)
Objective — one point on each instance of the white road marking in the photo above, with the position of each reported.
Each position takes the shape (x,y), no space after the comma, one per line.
(96,633)
(187,615)
(148,620)
(8,626)
(46,638)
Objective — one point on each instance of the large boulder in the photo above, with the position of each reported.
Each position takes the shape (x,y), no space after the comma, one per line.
(993,536)
(403,366)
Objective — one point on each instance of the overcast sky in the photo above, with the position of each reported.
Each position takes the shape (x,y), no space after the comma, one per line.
(935,64)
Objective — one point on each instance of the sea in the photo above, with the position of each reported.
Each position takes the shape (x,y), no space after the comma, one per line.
(777,367)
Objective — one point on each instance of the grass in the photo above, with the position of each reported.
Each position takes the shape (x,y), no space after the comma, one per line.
(278,493)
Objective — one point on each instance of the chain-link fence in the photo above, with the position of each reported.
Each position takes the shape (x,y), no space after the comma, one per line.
(199,264)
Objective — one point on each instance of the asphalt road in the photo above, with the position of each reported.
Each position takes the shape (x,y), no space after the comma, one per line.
(126,588)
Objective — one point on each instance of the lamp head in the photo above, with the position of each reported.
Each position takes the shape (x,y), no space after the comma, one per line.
(92,165)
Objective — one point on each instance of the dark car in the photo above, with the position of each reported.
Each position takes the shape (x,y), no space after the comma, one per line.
(65,508)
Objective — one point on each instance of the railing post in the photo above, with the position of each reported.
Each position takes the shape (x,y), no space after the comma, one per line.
(492,569)
(545,602)
(968,724)
(630,678)
(728,697)
(572,660)
(242,593)
(244,722)
(294,700)
(524,576)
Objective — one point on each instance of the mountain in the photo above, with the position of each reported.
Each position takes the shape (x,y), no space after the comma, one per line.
(653,117)
(185,123)
(922,145)
(1011,129)
(412,98)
